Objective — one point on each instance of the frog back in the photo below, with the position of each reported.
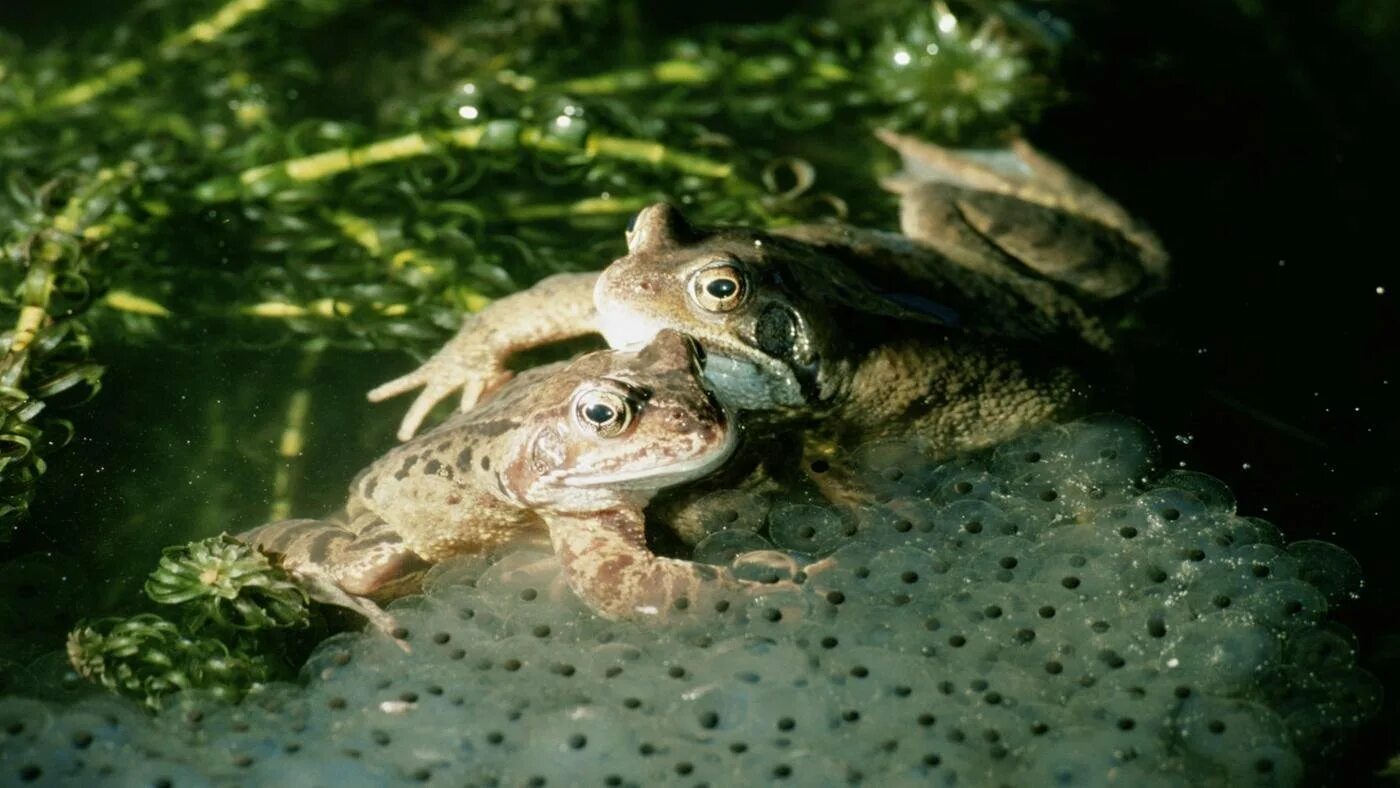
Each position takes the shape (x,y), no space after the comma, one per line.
(448,490)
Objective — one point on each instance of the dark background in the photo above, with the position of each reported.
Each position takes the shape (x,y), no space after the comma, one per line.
(1262,147)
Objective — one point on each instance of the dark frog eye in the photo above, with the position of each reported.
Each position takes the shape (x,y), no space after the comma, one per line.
(604,412)
(720,287)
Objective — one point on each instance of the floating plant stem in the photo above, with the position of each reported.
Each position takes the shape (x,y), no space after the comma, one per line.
(687,72)
(495,135)
(592,206)
(127,72)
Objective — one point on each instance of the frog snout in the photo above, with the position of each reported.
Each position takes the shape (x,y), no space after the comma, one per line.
(682,422)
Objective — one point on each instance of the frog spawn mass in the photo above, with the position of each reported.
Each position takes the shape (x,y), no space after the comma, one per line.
(1043,614)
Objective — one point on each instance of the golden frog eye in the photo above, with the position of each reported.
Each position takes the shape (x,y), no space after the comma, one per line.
(720,287)
(606,413)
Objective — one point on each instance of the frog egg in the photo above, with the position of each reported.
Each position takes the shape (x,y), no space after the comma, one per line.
(308,765)
(891,467)
(1227,531)
(569,746)
(522,570)
(896,575)
(962,481)
(1167,509)
(1246,740)
(1215,585)
(1263,561)
(1062,576)
(1111,450)
(95,725)
(861,676)
(1334,571)
(1226,653)
(1002,560)
(1208,490)
(810,530)
(727,510)
(136,772)
(1346,699)
(898,522)
(1285,604)
(1318,716)
(1321,652)
(463,570)
(1043,499)
(464,613)
(711,712)
(946,762)
(771,567)
(721,547)
(554,617)
(1035,450)
(1095,755)
(966,523)
(1218,580)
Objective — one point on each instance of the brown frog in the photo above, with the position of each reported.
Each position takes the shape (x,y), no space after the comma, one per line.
(572,450)
(856,333)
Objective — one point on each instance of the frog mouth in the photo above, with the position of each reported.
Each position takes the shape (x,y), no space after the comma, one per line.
(669,473)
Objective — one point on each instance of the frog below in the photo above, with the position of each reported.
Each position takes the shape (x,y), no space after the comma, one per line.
(572,450)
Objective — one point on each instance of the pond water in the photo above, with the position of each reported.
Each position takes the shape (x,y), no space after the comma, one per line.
(1249,135)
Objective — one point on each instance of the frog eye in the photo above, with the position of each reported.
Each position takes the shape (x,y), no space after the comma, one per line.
(606,413)
(718,288)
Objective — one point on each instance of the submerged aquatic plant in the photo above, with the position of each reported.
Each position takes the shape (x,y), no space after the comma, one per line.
(231,598)
(225,583)
(938,74)
(148,658)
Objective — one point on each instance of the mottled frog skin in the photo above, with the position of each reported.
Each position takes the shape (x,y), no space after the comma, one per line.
(574,451)
(855,333)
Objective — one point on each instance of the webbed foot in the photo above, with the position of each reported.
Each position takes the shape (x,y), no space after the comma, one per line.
(468,363)
(322,588)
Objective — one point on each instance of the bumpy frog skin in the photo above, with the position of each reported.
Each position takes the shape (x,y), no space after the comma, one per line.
(860,333)
(575,450)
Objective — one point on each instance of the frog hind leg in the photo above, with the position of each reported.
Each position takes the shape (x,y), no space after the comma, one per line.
(1017,211)
(344,566)
(1018,170)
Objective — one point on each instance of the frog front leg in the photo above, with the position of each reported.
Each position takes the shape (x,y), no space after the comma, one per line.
(607,564)
(343,566)
(555,309)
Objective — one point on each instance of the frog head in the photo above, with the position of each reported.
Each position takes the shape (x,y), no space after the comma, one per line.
(720,287)
(614,427)
(773,313)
